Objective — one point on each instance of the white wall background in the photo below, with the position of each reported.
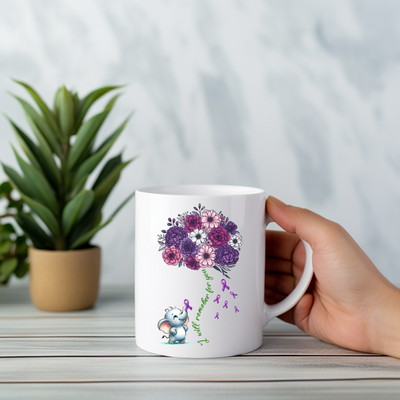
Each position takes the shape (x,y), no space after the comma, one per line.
(300,97)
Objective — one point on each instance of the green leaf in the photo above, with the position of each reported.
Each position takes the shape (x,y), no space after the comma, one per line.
(44,214)
(122,205)
(85,239)
(42,125)
(91,163)
(76,209)
(79,186)
(5,188)
(66,113)
(22,269)
(7,267)
(38,184)
(21,249)
(20,183)
(5,247)
(39,237)
(102,190)
(15,204)
(48,115)
(45,158)
(108,167)
(9,228)
(111,103)
(84,137)
(88,101)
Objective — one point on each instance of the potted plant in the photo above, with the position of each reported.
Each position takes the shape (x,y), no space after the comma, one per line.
(13,247)
(64,265)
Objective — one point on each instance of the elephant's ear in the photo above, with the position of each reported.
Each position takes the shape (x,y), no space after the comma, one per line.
(163,325)
(187,321)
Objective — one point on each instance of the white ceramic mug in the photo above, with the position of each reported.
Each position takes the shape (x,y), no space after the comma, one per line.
(200,270)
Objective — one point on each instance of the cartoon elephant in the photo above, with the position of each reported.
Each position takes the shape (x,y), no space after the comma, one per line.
(175,324)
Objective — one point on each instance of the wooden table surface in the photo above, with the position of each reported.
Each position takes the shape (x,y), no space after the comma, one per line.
(92,354)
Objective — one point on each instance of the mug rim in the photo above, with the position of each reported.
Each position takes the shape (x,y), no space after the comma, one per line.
(201,190)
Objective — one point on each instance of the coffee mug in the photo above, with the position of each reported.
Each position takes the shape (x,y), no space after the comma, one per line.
(200,270)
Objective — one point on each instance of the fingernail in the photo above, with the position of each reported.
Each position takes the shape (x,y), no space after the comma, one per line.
(276,202)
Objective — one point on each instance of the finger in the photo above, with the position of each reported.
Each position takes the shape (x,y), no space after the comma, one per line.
(301,312)
(308,225)
(278,265)
(281,283)
(280,244)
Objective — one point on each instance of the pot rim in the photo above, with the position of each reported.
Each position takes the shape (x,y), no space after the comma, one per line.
(91,248)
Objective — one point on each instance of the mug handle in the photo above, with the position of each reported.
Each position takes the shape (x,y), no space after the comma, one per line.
(271,311)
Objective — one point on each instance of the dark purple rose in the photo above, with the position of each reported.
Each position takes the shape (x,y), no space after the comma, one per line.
(218,237)
(226,255)
(231,227)
(192,222)
(188,248)
(174,236)
(192,263)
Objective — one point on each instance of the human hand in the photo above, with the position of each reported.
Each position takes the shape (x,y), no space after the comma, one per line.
(349,302)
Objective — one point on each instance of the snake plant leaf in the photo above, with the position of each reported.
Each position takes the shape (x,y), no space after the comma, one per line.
(38,236)
(102,190)
(39,185)
(111,103)
(66,113)
(19,183)
(44,214)
(45,158)
(91,163)
(76,209)
(22,269)
(88,222)
(108,167)
(42,125)
(84,137)
(79,186)
(48,115)
(7,267)
(88,101)
(27,145)
(85,239)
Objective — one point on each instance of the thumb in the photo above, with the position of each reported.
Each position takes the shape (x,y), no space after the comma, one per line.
(308,225)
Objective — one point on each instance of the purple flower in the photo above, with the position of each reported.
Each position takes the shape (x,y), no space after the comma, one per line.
(226,255)
(192,263)
(188,248)
(231,227)
(192,222)
(174,236)
(218,237)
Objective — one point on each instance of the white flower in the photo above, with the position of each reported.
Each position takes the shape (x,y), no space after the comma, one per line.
(198,236)
(236,241)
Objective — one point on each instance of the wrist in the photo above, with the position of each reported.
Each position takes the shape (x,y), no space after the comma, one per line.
(385,323)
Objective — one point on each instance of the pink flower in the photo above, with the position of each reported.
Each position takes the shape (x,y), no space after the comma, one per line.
(210,219)
(172,255)
(206,256)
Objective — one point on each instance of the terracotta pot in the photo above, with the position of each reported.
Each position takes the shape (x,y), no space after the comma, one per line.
(64,280)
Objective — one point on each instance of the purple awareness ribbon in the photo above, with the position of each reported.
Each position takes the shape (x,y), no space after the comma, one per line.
(186,302)
(217,299)
(224,285)
(236,310)
(226,304)
(216,316)
(234,295)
